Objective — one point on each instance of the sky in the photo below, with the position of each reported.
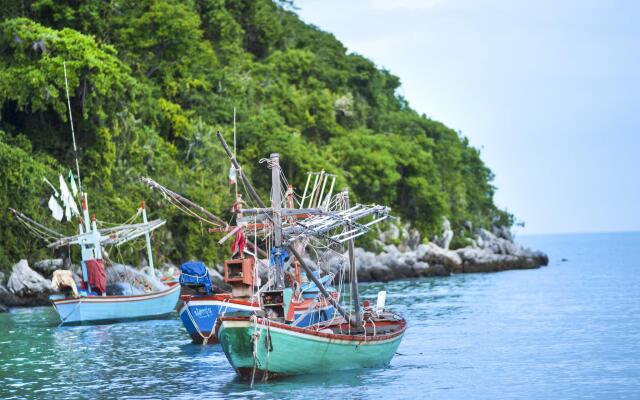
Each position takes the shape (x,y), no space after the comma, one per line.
(548,90)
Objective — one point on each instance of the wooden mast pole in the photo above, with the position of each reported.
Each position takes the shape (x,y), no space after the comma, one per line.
(276,200)
(355,294)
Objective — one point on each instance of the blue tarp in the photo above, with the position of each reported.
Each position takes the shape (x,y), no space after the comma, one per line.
(284,257)
(195,273)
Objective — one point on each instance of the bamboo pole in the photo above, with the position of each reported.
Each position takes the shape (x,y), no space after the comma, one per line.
(320,286)
(147,239)
(252,191)
(355,294)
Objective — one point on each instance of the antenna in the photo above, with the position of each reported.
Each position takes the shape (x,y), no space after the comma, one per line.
(73,133)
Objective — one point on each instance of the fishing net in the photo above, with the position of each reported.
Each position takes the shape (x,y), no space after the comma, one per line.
(125,280)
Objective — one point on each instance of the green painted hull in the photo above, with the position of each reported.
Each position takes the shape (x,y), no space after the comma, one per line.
(281,351)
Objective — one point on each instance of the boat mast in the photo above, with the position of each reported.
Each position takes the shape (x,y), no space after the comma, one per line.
(73,133)
(147,238)
(276,200)
(355,294)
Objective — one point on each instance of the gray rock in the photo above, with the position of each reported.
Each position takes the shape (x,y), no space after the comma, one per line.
(24,281)
(2,278)
(4,292)
(497,253)
(488,253)
(390,235)
(444,240)
(434,255)
(8,299)
(503,232)
(402,235)
(49,265)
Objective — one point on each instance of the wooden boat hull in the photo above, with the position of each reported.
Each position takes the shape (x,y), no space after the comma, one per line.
(104,309)
(200,314)
(284,350)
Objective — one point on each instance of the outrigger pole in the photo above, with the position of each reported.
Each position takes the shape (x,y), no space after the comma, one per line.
(155,185)
(252,191)
(320,286)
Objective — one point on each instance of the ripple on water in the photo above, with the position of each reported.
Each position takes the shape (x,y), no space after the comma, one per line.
(571,330)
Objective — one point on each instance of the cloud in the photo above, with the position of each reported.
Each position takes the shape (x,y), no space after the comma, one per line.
(404,4)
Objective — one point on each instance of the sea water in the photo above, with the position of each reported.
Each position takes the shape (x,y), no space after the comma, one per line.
(570,330)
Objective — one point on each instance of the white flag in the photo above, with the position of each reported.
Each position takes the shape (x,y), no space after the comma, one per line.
(56,210)
(70,207)
(72,181)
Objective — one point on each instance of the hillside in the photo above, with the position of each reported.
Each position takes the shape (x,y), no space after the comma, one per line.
(153,80)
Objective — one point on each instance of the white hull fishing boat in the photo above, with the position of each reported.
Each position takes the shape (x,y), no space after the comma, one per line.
(91,302)
(102,309)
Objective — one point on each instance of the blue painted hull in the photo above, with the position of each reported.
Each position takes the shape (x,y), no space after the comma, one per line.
(199,317)
(104,309)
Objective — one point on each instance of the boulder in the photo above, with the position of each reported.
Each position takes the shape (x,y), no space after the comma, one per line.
(8,299)
(402,235)
(503,232)
(411,238)
(3,293)
(447,235)
(440,258)
(390,235)
(489,252)
(25,282)
(48,266)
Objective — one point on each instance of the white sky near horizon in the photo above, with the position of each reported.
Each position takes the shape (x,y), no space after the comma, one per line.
(548,90)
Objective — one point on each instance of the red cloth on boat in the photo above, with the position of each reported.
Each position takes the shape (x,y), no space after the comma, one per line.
(97,275)
(239,243)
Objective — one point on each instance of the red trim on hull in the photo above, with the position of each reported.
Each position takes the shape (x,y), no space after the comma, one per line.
(225,297)
(116,299)
(336,336)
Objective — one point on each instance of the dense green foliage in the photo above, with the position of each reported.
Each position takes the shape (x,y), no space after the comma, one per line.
(153,80)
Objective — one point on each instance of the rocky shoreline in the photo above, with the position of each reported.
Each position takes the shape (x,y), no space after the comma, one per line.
(402,256)
(487,253)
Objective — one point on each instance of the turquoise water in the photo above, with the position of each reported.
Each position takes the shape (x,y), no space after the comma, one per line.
(570,330)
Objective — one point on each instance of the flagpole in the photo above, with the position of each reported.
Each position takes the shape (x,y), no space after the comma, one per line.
(73,133)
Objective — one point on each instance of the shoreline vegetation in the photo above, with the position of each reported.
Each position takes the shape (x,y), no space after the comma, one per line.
(150,83)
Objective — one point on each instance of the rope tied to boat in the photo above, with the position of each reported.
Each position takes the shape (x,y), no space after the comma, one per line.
(205,339)
(63,320)
(255,337)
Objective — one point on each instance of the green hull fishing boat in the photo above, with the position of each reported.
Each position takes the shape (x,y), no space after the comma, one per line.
(299,241)
(261,348)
